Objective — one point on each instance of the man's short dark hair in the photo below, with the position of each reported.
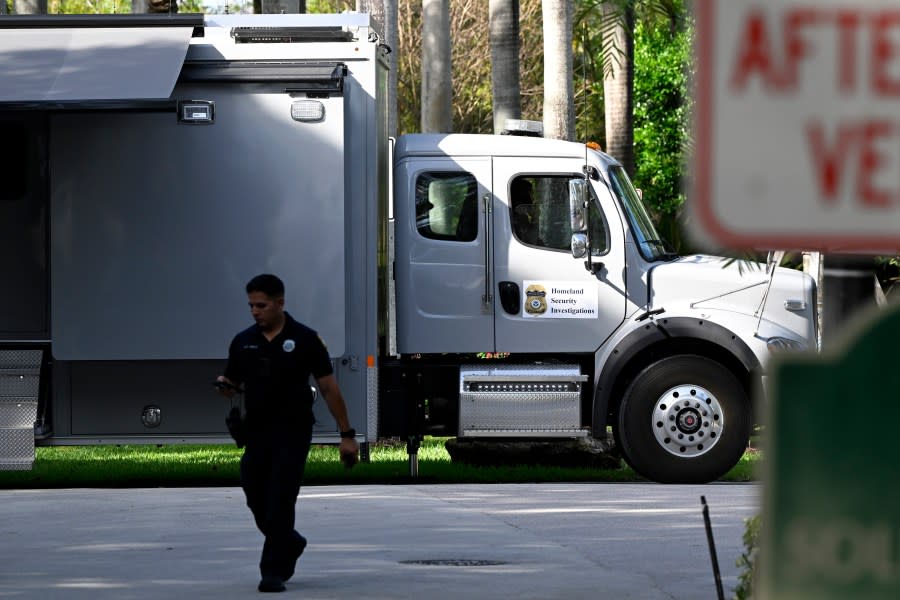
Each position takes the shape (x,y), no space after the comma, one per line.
(268,284)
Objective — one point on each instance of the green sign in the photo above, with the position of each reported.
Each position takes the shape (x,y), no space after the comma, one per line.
(831,508)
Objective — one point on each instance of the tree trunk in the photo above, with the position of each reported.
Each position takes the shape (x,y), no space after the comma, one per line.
(503,18)
(618,84)
(29,7)
(384,20)
(137,6)
(162,6)
(437,90)
(275,7)
(392,39)
(375,9)
(849,289)
(559,103)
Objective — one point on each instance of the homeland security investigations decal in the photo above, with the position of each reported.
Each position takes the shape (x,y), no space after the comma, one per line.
(559,300)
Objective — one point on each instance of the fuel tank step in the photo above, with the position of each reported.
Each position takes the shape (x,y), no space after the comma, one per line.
(520,401)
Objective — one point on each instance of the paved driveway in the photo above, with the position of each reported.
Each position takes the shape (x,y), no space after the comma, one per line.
(542,541)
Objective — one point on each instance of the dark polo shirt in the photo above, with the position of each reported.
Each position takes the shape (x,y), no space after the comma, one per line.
(275,374)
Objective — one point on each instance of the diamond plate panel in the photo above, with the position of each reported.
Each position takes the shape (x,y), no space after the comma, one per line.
(19,384)
(371,404)
(15,415)
(524,400)
(24,465)
(521,411)
(20,359)
(16,449)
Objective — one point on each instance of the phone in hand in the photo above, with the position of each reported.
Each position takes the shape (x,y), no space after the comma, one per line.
(224,385)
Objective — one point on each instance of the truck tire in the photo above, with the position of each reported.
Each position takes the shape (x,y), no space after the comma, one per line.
(684,419)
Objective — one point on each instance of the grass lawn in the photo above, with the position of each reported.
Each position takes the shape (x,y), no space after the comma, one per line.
(204,465)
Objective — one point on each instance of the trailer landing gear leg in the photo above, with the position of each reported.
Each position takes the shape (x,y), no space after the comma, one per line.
(412,449)
(417,421)
(364,453)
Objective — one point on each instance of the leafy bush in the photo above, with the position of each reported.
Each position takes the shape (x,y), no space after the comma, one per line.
(747,560)
(661,119)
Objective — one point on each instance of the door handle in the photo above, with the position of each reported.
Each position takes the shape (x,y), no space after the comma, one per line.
(510,298)
(487,298)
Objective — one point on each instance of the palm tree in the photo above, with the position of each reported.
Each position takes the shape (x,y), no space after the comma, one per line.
(503,26)
(618,80)
(29,7)
(375,9)
(437,90)
(276,6)
(384,20)
(559,103)
(162,6)
(617,50)
(392,39)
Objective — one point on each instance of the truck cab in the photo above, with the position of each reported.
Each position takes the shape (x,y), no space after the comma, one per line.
(530,269)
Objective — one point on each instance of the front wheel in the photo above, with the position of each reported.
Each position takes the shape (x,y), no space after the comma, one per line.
(684,419)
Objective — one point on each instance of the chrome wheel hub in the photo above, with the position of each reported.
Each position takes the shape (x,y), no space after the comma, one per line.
(687,421)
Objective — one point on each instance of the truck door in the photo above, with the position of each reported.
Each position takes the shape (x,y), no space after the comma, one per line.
(443,256)
(546,300)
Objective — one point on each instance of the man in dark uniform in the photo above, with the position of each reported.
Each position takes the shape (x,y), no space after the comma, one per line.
(273,361)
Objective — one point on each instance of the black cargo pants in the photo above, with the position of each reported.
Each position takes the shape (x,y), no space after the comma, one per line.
(271,473)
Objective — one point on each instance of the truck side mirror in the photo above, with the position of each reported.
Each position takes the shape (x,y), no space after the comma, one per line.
(579,245)
(578,195)
(578,205)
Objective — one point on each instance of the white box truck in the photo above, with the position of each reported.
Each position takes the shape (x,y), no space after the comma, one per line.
(478,286)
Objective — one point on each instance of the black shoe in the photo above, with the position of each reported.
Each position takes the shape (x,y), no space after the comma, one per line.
(301,546)
(271,583)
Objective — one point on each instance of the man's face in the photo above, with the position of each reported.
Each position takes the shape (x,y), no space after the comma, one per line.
(266,311)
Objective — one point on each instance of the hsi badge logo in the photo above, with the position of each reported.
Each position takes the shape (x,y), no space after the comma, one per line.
(288,345)
(536,299)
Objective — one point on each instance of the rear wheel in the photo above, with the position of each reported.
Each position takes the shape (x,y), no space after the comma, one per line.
(684,419)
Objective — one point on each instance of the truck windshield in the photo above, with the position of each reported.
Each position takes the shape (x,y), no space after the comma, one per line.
(652,247)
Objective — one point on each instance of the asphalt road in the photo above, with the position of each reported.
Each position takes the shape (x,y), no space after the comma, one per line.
(542,541)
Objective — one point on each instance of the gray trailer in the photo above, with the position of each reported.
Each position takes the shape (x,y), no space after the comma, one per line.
(154,172)
(487,287)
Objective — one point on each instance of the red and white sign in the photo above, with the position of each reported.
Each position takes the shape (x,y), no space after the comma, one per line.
(797,124)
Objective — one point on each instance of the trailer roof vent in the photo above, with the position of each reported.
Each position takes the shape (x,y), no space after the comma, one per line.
(289,35)
(523,128)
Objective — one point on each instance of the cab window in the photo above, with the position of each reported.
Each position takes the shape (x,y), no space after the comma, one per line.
(540,214)
(447,206)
